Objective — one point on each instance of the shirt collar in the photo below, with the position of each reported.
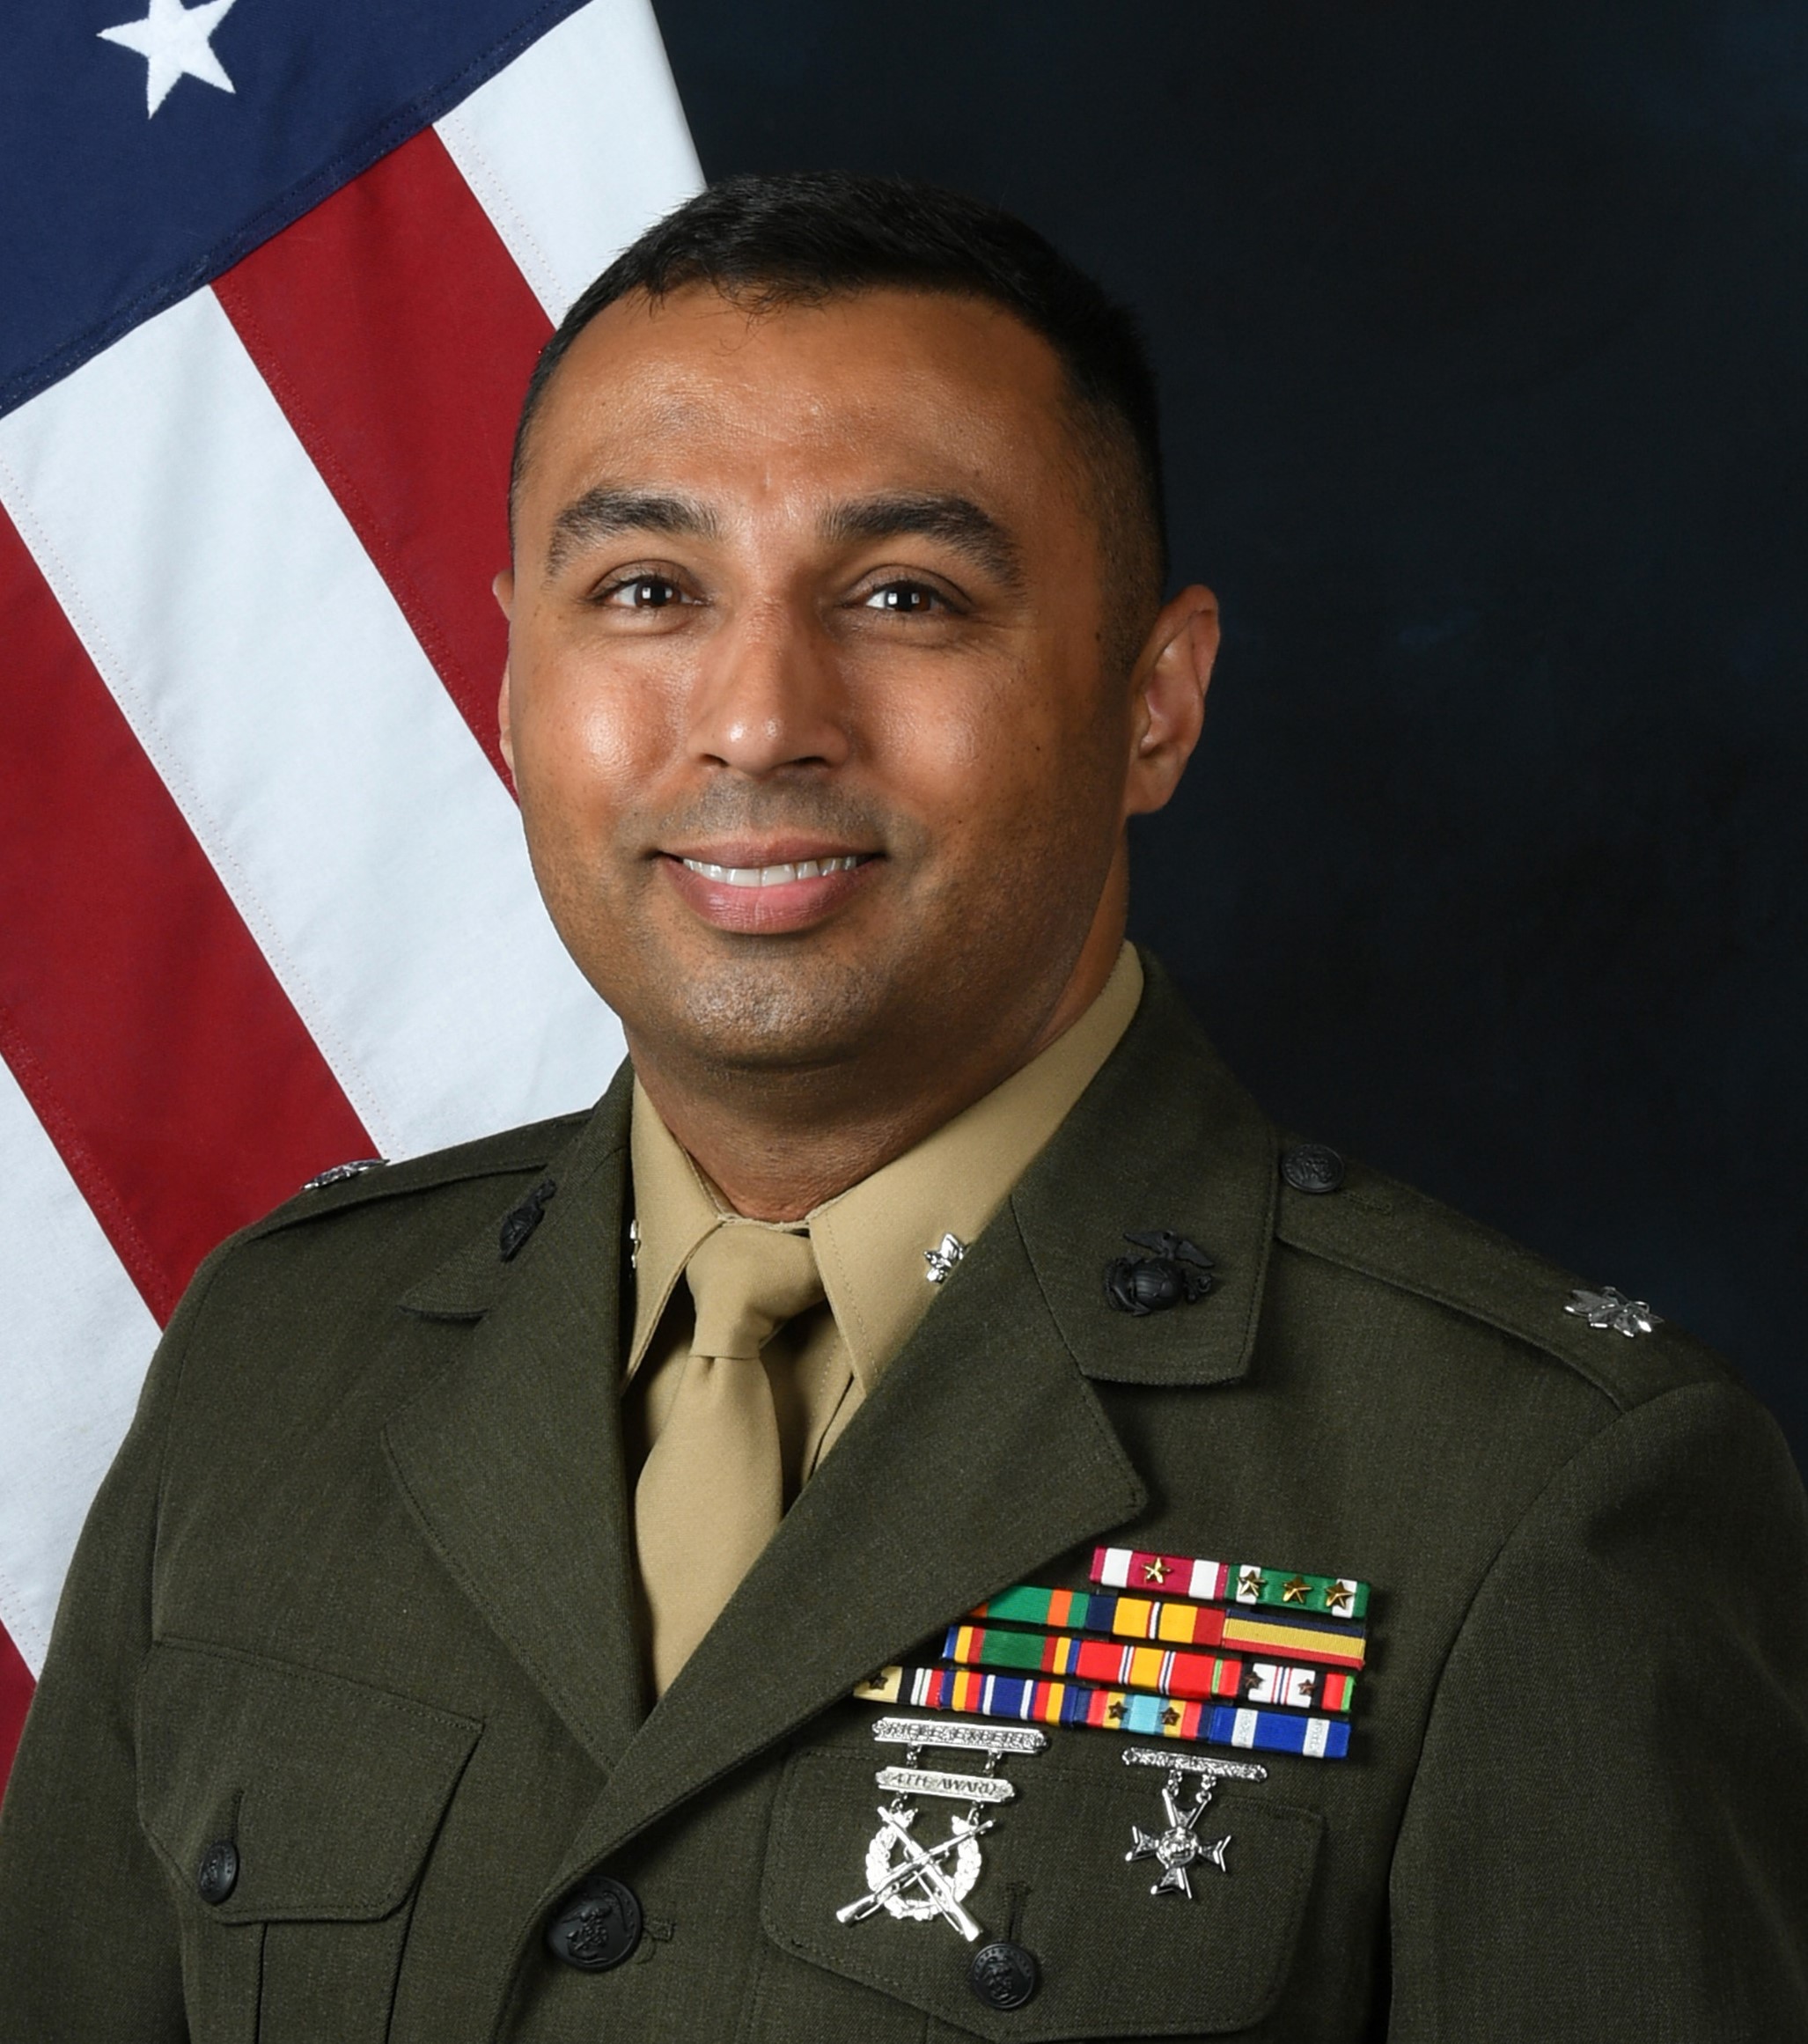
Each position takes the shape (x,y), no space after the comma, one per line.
(873,1241)
(674,1209)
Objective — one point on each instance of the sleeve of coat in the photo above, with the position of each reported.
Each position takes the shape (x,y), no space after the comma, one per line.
(1607,1836)
(89,1949)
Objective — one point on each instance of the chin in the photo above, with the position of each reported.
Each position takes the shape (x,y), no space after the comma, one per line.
(783,1015)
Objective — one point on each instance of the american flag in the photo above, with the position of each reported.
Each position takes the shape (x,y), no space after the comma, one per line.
(276,272)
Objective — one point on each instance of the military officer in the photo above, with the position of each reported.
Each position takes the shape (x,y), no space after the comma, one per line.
(922,1515)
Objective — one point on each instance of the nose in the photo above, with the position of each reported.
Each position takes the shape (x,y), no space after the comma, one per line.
(770,696)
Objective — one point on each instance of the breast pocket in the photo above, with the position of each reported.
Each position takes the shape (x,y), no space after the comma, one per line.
(292,1812)
(1112,1959)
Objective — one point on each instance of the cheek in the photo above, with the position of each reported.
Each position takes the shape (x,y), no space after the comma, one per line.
(1022,751)
(954,762)
(587,738)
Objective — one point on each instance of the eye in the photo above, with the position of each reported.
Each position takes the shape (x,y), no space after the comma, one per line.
(643,593)
(906,599)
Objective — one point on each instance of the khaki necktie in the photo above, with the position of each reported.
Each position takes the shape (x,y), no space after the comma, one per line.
(711,1492)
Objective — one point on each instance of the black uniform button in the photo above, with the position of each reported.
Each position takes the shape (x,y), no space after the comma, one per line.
(219,1874)
(1003,1976)
(1313,1167)
(599,1925)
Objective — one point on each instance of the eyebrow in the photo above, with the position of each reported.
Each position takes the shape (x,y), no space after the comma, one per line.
(607,511)
(957,521)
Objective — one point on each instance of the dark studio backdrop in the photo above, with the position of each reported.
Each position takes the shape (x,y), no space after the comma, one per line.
(1482,336)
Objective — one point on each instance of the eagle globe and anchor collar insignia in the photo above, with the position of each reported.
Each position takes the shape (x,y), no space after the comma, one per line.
(917,1882)
(1178,1846)
(1175,1272)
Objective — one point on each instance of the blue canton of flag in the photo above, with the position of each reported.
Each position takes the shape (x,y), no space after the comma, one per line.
(145,146)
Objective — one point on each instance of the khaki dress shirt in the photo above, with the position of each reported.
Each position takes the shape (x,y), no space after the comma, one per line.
(873,1241)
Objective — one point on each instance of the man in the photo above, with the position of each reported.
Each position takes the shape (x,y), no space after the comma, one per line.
(529,1603)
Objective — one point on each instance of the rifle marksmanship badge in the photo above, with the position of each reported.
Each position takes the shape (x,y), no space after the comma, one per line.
(908,1876)
(1177,1847)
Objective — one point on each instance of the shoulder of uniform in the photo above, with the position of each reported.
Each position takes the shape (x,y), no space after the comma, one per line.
(1348,1214)
(369,1180)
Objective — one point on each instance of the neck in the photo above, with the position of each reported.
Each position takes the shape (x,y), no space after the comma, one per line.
(776,1145)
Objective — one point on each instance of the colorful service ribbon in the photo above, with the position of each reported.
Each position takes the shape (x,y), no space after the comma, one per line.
(1146,1717)
(1229,1581)
(1174,1624)
(1167,1673)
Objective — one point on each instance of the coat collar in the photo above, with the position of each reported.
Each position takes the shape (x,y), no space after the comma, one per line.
(983,1453)
(1163,1137)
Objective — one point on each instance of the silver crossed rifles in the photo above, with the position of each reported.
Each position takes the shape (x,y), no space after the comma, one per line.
(922,1869)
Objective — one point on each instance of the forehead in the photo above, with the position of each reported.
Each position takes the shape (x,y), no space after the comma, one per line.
(882,386)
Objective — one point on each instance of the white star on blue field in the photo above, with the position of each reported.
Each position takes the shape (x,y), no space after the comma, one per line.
(175,43)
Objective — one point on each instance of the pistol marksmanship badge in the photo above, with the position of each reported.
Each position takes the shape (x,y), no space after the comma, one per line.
(906,1876)
(1178,1846)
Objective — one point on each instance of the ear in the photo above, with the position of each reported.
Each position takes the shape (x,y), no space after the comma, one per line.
(504,591)
(504,730)
(1168,697)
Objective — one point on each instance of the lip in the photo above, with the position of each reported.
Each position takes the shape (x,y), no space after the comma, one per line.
(778,909)
(789,850)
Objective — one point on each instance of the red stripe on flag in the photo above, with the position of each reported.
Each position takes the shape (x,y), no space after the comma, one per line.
(15,1700)
(397,334)
(142,1021)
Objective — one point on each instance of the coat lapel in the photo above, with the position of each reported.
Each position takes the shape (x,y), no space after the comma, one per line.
(511,1460)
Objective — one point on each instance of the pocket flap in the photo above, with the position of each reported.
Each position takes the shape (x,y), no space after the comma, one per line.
(330,1792)
(1115,1960)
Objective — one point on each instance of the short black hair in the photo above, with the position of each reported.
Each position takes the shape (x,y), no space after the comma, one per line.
(802,237)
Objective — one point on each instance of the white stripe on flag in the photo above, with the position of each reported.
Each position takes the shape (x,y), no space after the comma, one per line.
(576,146)
(273,682)
(1115,1575)
(67,1297)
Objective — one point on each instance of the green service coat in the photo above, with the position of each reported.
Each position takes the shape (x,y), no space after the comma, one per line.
(357,1598)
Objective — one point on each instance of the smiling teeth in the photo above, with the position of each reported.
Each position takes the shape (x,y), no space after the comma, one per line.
(774,875)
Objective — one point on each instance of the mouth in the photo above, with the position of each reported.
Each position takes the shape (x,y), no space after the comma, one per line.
(748,892)
(778,876)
